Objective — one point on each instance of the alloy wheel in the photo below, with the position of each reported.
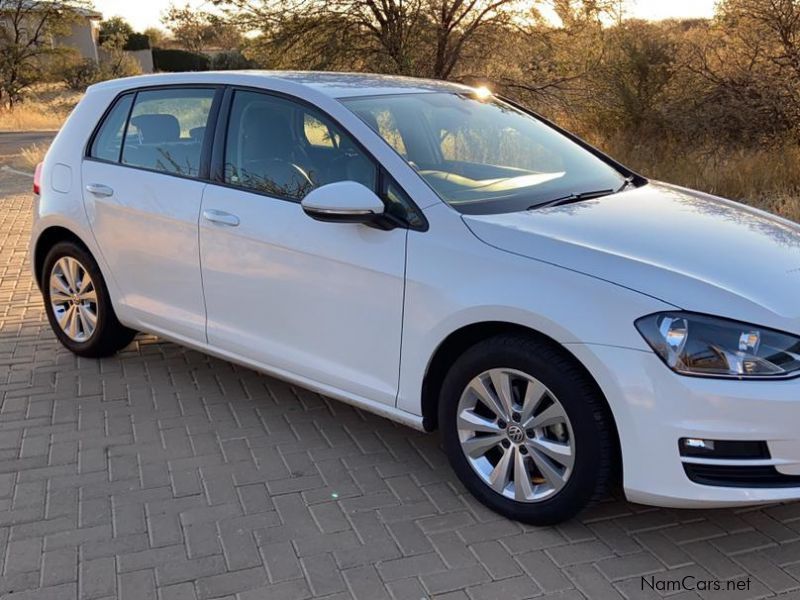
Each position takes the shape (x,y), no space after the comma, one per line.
(73,299)
(516,435)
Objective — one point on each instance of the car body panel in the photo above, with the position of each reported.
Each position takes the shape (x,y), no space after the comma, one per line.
(65,209)
(691,250)
(324,300)
(654,408)
(455,280)
(148,229)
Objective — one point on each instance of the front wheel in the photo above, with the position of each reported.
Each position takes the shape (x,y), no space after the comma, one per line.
(78,305)
(525,430)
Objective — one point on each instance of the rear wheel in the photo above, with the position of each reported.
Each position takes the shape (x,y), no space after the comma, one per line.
(525,430)
(78,305)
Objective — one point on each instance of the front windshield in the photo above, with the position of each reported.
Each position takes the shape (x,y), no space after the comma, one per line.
(483,155)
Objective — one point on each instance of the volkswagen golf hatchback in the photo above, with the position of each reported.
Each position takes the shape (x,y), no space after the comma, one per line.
(444,258)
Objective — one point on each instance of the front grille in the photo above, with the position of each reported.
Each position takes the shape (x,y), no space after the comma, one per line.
(755,476)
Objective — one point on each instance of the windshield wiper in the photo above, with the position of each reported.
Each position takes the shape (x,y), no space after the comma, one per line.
(572,198)
(580,197)
(629,181)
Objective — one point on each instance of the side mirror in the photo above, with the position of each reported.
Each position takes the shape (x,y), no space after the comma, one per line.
(343,202)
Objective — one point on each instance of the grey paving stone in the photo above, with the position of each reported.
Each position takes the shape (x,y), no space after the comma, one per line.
(137,585)
(515,588)
(97,578)
(230,583)
(365,583)
(322,574)
(59,566)
(23,556)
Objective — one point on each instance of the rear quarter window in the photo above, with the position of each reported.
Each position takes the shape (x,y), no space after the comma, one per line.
(107,144)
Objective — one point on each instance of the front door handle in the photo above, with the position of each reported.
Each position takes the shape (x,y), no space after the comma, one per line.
(221,217)
(98,189)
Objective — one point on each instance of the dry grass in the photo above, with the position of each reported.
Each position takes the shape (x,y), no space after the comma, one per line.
(32,155)
(45,110)
(768,178)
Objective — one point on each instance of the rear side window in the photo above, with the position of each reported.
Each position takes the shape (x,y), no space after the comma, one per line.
(108,141)
(166,130)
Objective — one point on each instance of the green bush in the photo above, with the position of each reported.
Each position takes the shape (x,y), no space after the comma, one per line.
(81,74)
(137,41)
(230,60)
(167,59)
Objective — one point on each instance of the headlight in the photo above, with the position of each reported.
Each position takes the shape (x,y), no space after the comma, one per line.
(693,344)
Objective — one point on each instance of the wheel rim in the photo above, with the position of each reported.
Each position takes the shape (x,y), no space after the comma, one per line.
(73,298)
(516,435)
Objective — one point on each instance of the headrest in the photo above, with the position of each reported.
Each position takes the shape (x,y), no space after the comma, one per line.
(157,128)
(267,132)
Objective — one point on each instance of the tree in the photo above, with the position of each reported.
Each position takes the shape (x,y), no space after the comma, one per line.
(196,30)
(155,35)
(549,61)
(382,35)
(750,61)
(633,83)
(404,37)
(457,22)
(778,20)
(26,30)
(116,61)
(115,26)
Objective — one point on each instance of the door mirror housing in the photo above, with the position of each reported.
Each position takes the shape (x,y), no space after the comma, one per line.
(343,202)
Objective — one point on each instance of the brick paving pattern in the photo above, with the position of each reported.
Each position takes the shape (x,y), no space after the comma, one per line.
(165,474)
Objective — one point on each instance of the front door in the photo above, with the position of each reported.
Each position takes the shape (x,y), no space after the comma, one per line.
(318,301)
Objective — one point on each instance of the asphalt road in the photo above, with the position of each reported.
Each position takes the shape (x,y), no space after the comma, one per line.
(13,142)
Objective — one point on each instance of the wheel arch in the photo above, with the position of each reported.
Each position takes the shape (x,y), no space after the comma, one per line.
(48,238)
(458,341)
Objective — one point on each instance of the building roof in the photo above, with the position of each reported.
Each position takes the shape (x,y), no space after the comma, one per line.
(336,85)
(34,5)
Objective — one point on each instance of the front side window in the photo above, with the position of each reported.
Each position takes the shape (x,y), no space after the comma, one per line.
(166,130)
(108,141)
(318,134)
(282,148)
(483,155)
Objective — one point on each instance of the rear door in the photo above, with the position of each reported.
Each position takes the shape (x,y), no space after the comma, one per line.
(143,184)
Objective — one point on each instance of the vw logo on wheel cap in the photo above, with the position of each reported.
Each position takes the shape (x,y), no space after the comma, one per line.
(515,434)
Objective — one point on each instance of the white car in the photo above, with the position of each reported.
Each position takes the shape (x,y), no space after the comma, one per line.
(444,258)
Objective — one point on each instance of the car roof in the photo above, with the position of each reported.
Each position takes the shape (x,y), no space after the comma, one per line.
(335,85)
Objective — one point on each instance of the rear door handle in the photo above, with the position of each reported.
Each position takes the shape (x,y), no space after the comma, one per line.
(98,189)
(221,217)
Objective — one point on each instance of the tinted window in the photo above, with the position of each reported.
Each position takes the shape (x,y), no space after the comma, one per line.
(482,155)
(399,204)
(317,133)
(269,148)
(108,141)
(166,130)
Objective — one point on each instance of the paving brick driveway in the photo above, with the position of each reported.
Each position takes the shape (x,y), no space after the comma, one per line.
(164,473)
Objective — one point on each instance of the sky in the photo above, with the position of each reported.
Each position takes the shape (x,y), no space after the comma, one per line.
(142,14)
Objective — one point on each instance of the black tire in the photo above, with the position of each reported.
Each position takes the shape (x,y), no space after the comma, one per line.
(591,422)
(109,334)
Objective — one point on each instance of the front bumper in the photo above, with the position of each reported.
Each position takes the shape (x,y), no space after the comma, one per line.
(654,408)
